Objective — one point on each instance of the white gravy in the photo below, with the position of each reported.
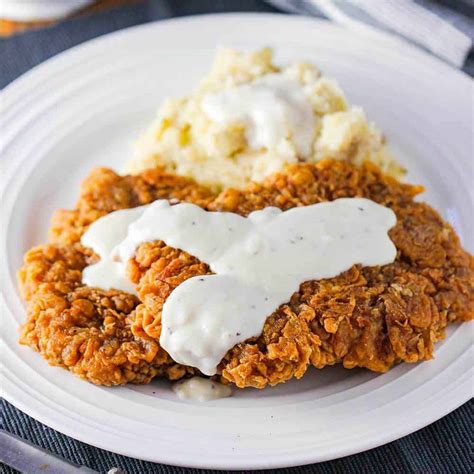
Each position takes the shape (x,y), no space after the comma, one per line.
(103,236)
(258,261)
(270,108)
(200,389)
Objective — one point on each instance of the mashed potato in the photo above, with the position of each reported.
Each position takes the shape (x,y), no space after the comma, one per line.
(248,118)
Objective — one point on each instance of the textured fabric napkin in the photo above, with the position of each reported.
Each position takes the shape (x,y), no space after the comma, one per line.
(439,448)
(440,30)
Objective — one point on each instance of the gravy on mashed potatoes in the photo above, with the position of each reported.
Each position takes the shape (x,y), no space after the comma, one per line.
(248,118)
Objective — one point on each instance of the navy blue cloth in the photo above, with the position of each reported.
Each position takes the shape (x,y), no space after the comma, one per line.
(443,447)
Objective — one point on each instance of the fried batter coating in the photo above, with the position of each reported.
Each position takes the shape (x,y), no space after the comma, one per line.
(88,330)
(371,317)
(104,191)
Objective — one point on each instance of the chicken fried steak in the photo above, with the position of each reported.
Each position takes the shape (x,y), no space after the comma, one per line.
(371,317)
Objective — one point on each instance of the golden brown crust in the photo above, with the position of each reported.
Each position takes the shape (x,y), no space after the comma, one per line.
(366,317)
(104,191)
(86,330)
(50,280)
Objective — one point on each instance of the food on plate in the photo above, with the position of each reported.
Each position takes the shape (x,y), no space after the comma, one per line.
(248,118)
(257,262)
(263,230)
(366,316)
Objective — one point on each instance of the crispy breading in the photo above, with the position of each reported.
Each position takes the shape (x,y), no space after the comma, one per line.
(369,317)
(104,191)
(86,330)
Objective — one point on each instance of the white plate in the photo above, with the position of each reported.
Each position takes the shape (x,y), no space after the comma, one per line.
(83,109)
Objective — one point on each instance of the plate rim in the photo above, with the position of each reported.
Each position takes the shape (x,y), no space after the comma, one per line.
(290,461)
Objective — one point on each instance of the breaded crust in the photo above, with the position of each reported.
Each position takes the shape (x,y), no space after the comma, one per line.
(367,317)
